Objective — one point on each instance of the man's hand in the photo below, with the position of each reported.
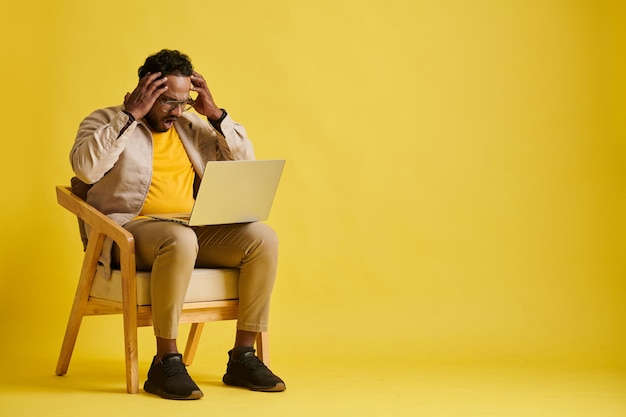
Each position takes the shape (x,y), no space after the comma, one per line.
(140,101)
(204,103)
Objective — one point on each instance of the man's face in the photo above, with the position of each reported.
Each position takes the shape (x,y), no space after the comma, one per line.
(161,118)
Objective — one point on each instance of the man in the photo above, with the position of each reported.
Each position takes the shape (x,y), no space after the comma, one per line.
(146,157)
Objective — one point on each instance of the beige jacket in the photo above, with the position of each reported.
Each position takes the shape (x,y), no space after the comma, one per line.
(119,168)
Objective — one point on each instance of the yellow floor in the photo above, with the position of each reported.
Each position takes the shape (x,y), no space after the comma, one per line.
(96,388)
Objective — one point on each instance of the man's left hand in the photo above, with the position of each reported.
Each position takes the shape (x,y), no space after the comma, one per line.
(204,103)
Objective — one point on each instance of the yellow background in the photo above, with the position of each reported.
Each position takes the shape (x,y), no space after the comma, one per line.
(455,185)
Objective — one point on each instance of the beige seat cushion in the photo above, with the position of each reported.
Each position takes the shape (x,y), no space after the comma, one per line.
(205,285)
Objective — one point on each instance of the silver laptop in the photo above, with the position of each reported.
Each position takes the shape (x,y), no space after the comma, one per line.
(232,192)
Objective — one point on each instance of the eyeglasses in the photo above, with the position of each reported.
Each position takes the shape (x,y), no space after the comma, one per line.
(169,105)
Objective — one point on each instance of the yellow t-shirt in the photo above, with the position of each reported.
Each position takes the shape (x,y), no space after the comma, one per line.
(171,189)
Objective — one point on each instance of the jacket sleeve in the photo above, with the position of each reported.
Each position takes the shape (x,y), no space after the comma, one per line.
(99,143)
(234,143)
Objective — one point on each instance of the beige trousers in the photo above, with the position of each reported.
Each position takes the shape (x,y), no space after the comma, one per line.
(171,251)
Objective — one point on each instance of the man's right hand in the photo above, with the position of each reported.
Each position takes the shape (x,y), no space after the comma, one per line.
(140,101)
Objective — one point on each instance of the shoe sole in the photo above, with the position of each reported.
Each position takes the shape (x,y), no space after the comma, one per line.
(148,387)
(229,380)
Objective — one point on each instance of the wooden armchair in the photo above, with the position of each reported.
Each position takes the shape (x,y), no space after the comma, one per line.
(212,293)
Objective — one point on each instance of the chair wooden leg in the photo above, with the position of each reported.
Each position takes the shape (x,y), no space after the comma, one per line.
(130,353)
(129,307)
(81,297)
(69,341)
(263,347)
(192,342)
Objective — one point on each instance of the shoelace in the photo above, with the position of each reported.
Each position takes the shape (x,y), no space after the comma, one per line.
(250,361)
(172,368)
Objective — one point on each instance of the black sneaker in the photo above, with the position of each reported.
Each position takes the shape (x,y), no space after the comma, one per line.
(169,379)
(246,370)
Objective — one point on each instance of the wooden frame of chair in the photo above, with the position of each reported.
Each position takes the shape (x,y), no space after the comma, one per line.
(134,316)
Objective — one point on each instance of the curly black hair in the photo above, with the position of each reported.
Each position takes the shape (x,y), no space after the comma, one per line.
(167,62)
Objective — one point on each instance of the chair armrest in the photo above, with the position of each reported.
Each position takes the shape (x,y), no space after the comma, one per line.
(97,221)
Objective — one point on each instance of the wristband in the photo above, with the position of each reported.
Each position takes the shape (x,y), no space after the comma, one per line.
(130,116)
(222,117)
